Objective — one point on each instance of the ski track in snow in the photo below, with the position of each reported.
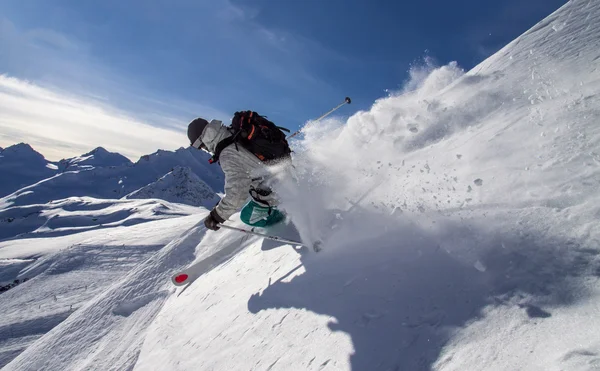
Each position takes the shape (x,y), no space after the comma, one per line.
(461,233)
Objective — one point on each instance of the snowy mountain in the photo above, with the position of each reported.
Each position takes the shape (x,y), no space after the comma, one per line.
(180,186)
(115,181)
(98,157)
(460,231)
(161,162)
(21,165)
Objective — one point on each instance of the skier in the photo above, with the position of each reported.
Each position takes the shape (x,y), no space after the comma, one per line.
(244,150)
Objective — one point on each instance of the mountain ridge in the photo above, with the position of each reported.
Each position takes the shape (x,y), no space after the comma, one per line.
(98,173)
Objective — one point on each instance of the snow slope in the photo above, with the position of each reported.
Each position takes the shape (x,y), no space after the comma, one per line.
(77,214)
(21,165)
(181,186)
(84,247)
(116,181)
(460,228)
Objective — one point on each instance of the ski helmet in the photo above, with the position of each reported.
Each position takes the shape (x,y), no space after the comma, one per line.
(195,129)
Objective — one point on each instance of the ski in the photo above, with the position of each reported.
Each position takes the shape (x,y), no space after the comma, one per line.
(184,277)
(316,246)
(191,273)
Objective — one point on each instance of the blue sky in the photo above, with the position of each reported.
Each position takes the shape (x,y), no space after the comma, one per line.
(164,62)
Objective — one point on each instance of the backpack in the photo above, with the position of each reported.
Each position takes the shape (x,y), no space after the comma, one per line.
(258,135)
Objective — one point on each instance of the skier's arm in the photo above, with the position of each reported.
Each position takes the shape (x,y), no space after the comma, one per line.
(237,185)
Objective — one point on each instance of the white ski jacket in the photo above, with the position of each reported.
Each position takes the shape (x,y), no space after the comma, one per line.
(243,172)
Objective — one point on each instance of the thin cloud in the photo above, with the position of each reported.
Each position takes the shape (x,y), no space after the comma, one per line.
(65,63)
(298,52)
(59,125)
(201,74)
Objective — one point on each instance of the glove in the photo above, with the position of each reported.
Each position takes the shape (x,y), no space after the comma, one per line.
(213,220)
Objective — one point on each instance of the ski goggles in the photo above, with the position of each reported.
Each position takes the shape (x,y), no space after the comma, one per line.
(198,144)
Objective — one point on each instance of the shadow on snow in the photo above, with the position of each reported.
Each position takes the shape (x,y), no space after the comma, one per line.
(401,291)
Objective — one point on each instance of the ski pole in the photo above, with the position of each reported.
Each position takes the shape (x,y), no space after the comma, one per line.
(274,238)
(346,101)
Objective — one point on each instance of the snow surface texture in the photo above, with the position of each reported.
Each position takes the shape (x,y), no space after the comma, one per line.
(180,185)
(460,231)
(109,181)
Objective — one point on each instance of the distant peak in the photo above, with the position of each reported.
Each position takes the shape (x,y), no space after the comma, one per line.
(97,151)
(21,146)
(21,149)
(154,155)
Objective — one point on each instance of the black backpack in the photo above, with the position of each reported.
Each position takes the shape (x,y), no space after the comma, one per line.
(258,135)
